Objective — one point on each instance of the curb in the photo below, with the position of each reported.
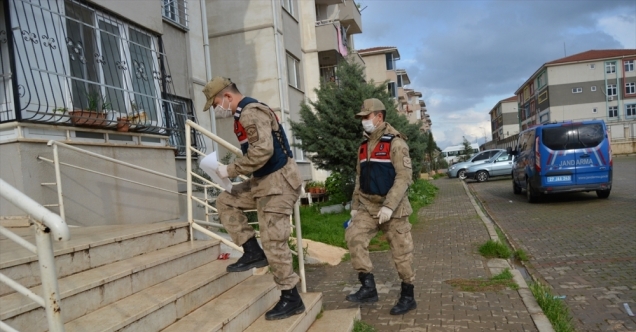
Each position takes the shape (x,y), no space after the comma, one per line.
(496,266)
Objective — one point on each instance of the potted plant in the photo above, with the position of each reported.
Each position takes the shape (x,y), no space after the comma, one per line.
(123,124)
(93,114)
(138,118)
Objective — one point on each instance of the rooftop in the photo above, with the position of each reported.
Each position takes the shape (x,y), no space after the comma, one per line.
(594,55)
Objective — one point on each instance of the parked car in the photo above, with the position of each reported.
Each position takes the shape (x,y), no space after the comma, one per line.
(563,157)
(458,170)
(499,165)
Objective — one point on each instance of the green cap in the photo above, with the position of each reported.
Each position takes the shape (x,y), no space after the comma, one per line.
(213,88)
(369,106)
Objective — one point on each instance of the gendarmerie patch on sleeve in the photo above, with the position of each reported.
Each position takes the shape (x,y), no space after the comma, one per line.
(407,162)
(252,133)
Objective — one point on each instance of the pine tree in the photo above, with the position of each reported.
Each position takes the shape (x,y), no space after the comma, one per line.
(466,152)
(331,135)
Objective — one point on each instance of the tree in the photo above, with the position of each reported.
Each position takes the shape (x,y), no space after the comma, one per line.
(432,150)
(466,152)
(330,134)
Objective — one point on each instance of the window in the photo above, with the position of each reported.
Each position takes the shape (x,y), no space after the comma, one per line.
(594,110)
(543,96)
(181,110)
(629,65)
(630,88)
(542,80)
(593,88)
(390,63)
(289,6)
(392,89)
(592,66)
(577,90)
(613,111)
(610,67)
(630,110)
(175,11)
(611,90)
(544,118)
(293,72)
(573,137)
(399,81)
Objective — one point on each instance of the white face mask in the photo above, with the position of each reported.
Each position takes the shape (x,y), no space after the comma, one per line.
(221,111)
(368,126)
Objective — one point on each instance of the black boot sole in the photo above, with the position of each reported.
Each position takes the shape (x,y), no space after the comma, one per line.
(402,312)
(367,300)
(261,263)
(294,312)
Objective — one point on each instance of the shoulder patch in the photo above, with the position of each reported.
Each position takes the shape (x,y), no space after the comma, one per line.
(252,133)
(407,162)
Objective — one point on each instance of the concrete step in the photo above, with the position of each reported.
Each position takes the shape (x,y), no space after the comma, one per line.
(159,306)
(88,248)
(297,323)
(341,320)
(92,289)
(233,310)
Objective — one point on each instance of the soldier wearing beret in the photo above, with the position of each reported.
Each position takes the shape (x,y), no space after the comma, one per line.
(380,202)
(272,190)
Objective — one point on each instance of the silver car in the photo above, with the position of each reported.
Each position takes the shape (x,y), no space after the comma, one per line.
(499,165)
(458,170)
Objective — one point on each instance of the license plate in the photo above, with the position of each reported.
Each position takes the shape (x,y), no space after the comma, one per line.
(560,178)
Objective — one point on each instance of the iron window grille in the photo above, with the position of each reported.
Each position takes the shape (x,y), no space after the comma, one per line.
(176,11)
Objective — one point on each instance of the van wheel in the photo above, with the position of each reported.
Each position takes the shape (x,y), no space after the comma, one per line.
(515,188)
(461,174)
(481,176)
(530,195)
(603,193)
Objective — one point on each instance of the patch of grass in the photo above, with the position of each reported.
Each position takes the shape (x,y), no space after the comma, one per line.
(438,176)
(494,284)
(556,311)
(360,326)
(493,249)
(500,235)
(346,257)
(520,255)
(421,193)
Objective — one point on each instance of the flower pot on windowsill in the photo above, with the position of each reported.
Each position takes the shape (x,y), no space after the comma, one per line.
(123,124)
(87,118)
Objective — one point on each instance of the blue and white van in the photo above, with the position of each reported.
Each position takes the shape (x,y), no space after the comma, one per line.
(563,157)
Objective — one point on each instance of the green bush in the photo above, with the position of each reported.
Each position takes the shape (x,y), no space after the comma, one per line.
(339,187)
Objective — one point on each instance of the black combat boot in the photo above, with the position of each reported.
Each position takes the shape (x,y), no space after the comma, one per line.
(406,302)
(366,293)
(253,256)
(290,304)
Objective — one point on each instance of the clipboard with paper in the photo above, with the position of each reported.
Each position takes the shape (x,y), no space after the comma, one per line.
(210,164)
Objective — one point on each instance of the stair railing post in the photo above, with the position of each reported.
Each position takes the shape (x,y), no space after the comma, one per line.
(189,179)
(299,248)
(58,182)
(50,289)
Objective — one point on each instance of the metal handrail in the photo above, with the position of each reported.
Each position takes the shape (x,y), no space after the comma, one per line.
(189,125)
(48,225)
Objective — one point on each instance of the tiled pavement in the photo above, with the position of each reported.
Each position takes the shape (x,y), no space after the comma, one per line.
(582,246)
(446,241)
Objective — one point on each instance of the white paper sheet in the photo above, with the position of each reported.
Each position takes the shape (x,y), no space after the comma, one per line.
(210,164)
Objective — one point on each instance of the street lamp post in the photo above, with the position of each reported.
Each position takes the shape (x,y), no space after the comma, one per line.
(485,140)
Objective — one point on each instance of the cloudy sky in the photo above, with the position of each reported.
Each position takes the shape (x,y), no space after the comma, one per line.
(465,56)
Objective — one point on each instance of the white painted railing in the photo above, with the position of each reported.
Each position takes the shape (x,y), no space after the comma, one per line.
(48,226)
(195,223)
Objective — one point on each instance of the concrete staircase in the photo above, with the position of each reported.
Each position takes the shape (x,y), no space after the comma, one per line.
(151,278)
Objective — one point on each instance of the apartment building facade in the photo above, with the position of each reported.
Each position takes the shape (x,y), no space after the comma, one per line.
(503,119)
(596,84)
(381,67)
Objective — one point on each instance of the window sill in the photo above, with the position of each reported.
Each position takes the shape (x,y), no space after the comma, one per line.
(175,24)
(295,88)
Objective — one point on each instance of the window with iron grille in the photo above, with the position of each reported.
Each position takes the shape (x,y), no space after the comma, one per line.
(181,110)
(175,11)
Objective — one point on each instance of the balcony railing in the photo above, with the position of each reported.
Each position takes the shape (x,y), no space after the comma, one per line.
(67,63)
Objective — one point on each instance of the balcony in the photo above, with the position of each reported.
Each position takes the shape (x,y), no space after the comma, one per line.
(356,58)
(350,17)
(328,2)
(327,37)
(78,66)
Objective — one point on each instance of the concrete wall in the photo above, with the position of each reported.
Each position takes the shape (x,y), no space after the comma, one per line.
(145,13)
(92,199)
(177,48)
(376,68)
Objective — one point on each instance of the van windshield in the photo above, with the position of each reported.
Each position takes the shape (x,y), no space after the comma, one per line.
(577,136)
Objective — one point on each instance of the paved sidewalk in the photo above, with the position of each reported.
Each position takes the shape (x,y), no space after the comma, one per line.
(446,242)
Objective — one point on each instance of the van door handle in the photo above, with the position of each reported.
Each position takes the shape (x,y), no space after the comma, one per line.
(585,155)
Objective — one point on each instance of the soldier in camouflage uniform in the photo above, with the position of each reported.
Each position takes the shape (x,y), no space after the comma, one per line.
(380,202)
(272,190)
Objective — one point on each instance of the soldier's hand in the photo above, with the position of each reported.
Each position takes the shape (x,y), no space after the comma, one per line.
(222,171)
(353,213)
(384,214)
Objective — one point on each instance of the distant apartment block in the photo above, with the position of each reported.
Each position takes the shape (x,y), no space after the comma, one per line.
(504,121)
(596,84)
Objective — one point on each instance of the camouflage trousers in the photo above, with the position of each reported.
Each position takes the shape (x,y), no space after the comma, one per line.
(273,220)
(364,227)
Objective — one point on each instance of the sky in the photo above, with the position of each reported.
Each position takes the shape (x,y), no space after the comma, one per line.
(467,55)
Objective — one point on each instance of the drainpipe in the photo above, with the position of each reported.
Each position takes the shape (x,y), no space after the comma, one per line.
(279,66)
(208,67)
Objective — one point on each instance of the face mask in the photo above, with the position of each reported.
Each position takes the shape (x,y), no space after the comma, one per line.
(221,111)
(368,126)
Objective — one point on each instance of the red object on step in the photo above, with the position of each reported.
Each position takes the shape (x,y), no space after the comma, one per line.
(223,256)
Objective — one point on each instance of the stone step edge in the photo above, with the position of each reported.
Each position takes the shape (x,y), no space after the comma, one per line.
(187,283)
(339,320)
(242,304)
(165,255)
(83,246)
(301,322)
